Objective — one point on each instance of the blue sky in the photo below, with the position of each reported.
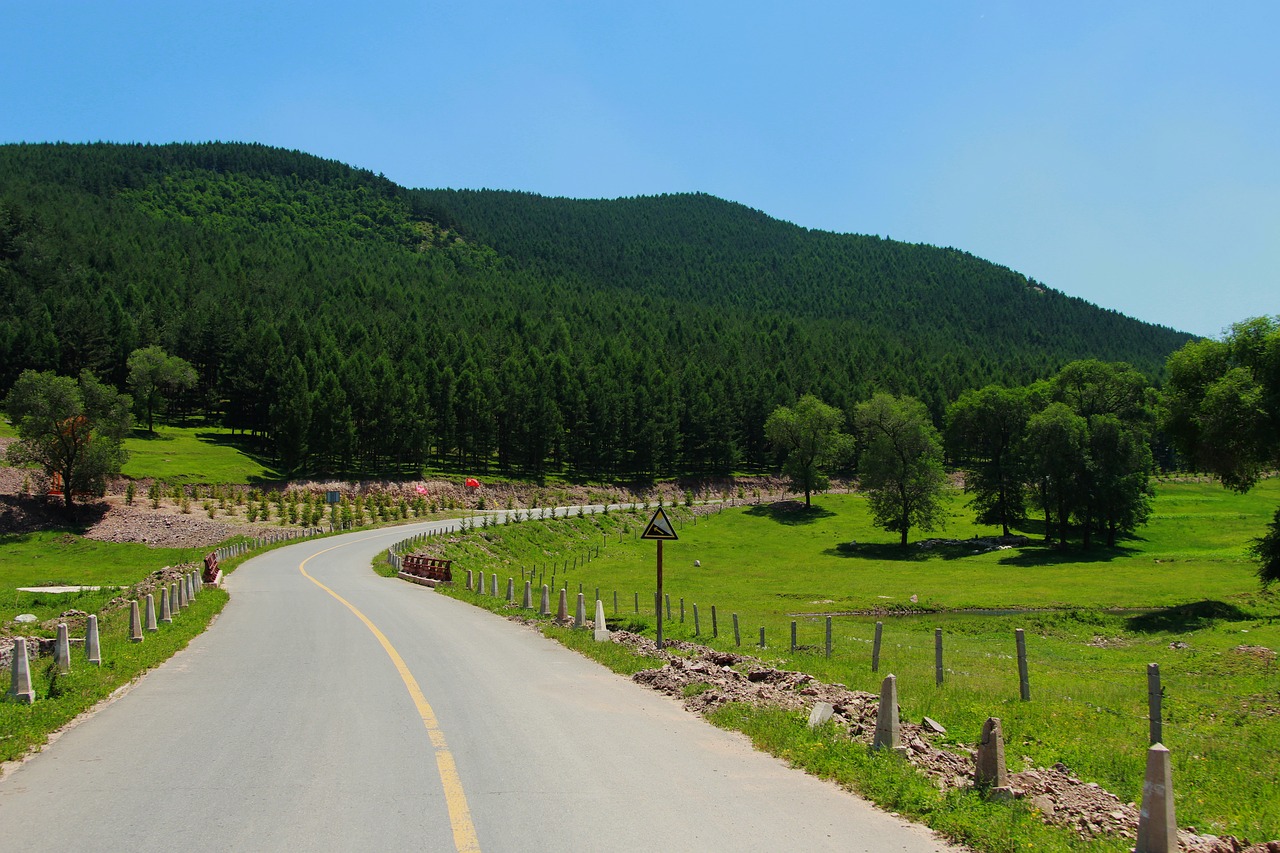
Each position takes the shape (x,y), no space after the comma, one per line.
(1124,152)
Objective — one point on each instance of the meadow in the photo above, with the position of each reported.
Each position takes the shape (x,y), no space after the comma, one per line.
(183,455)
(1181,594)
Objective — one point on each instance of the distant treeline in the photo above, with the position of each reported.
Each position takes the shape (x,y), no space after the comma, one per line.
(353,324)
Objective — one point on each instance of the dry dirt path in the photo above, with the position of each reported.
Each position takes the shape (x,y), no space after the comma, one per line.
(292,725)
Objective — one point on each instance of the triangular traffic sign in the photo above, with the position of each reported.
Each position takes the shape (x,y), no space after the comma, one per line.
(659,527)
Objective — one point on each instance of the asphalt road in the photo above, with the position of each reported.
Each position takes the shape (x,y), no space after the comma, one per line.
(417,723)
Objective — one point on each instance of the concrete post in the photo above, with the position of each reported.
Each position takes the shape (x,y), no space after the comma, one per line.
(195,585)
(151,613)
(696,626)
(183,603)
(1157,824)
(527,601)
(62,649)
(580,612)
(762,636)
(493,586)
(173,599)
(166,614)
(92,645)
(135,622)
(602,626)
(888,730)
(544,606)
(20,684)
(470,581)
(828,636)
(511,590)
(989,767)
(562,609)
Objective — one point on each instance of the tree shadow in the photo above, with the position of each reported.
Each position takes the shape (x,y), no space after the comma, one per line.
(1040,554)
(139,433)
(888,551)
(1185,617)
(249,446)
(790,513)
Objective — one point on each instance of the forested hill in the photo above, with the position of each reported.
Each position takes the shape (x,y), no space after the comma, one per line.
(702,250)
(355,323)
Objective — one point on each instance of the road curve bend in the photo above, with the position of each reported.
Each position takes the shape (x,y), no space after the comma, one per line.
(329,708)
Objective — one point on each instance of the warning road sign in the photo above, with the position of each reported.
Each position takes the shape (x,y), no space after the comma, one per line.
(660,528)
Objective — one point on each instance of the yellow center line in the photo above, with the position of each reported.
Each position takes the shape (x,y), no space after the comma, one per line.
(464,833)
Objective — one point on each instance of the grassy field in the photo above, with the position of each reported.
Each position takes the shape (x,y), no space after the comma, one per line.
(183,455)
(1194,607)
(57,558)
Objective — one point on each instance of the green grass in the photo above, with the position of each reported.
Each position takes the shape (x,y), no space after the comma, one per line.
(1185,575)
(183,455)
(57,558)
(61,698)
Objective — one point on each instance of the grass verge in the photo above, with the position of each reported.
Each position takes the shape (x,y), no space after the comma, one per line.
(1197,611)
(60,698)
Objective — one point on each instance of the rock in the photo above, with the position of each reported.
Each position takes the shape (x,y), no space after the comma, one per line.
(1044,805)
(821,713)
(25,617)
(934,726)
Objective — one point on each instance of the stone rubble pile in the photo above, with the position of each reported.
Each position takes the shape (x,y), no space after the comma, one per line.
(1059,797)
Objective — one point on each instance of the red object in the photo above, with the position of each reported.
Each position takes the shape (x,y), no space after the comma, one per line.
(422,490)
(472,483)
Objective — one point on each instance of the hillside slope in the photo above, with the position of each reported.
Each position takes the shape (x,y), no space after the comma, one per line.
(355,324)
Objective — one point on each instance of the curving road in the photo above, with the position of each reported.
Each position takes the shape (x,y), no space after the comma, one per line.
(329,708)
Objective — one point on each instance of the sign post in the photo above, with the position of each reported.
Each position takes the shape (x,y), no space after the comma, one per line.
(660,530)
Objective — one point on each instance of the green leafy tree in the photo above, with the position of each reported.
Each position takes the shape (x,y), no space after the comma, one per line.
(1120,467)
(153,374)
(810,437)
(985,429)
(1222,410)
(900,465)
(71,428)
(1113,492)
(1056,454)
(1266,550)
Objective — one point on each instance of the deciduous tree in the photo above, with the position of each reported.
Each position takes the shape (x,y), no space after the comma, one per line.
(809,436)
(900,464)
(72,428)
(985,429)
(1222,409)
(153,374)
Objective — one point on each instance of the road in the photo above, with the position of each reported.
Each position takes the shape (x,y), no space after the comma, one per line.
(328,708)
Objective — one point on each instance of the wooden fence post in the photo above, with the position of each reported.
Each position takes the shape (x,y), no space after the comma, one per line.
(1024,681)
(875,648)
(1154,696)
(937,656)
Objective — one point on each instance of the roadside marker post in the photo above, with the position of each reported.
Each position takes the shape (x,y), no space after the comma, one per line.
(660,530)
